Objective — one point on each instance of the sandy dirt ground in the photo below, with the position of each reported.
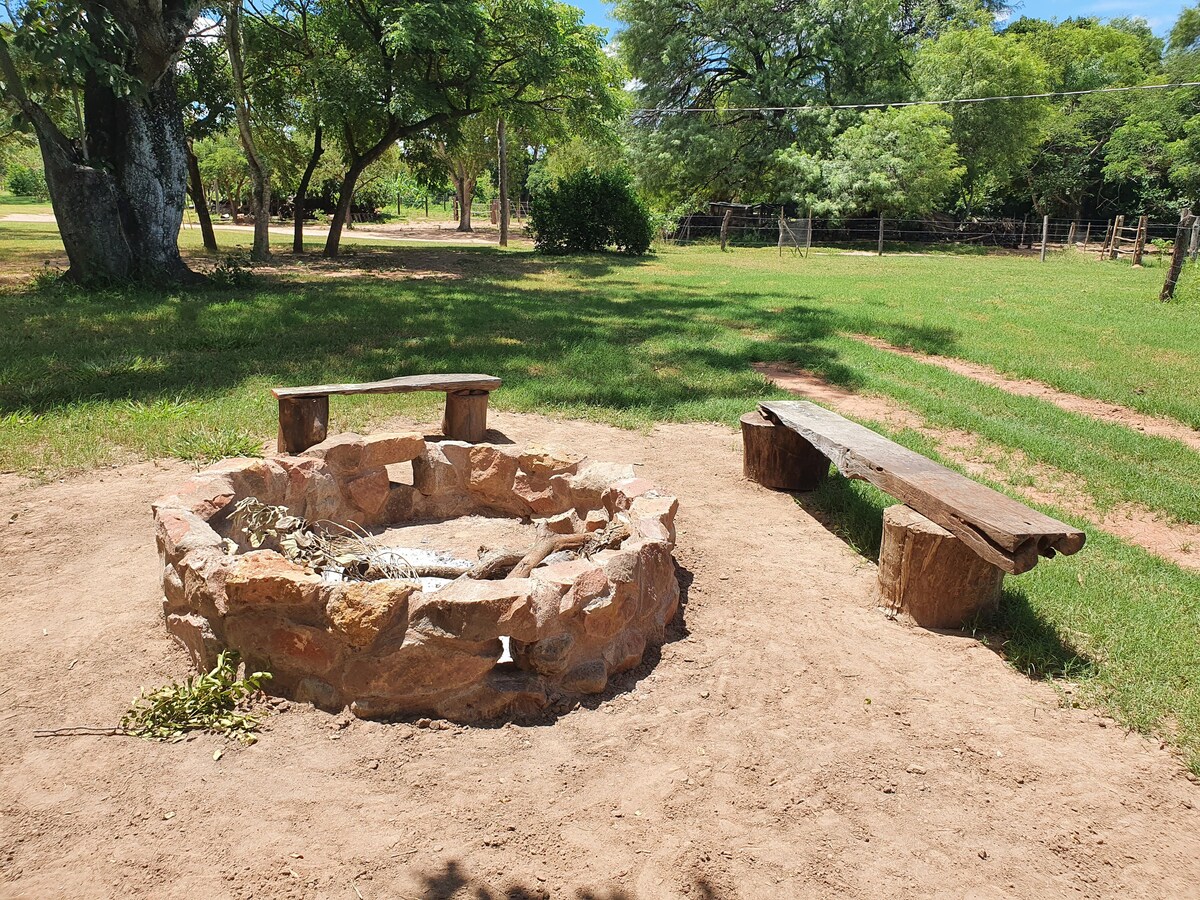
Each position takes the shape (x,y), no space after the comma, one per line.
(789,740)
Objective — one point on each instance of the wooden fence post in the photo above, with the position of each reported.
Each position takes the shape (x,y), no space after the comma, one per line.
(1195,246)
(781,232)
(1186,219)
(1086,236)
(1114,249)
(808,235)
(1107,238)
(1071,235)
(879,252)
(1021,240)
(1045,234)
(1139,243)
(725,228)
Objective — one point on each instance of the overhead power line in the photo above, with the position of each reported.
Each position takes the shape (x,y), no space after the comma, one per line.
(678,110)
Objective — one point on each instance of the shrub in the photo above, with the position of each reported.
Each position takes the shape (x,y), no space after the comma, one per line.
(590,211)
(26,182)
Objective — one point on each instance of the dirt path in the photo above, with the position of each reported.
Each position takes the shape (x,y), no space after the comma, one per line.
(1176,542)
(1097,409)
(790,742)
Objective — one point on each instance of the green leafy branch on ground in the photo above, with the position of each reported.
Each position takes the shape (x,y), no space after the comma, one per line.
(216,701)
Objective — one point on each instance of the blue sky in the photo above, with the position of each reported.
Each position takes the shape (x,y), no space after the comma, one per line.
(1161,14)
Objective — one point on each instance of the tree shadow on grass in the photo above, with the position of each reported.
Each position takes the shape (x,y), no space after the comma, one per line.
(621,345)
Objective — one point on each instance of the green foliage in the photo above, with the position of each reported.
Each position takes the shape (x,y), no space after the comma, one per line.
(900,161)
(590,211)
(217,701)
(27,182)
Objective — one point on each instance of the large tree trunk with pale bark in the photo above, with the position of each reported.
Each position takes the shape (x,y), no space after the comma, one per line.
(465,188)
(119,209)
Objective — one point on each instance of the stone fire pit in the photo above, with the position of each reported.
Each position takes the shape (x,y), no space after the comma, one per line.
(388,647)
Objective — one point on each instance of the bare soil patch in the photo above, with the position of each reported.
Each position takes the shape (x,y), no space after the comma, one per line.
(1177,542)
(789,742)
(1097,409)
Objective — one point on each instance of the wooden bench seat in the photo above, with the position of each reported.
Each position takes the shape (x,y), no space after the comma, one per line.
(790,444)
(304,411)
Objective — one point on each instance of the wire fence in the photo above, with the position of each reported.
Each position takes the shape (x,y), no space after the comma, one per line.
(766,227)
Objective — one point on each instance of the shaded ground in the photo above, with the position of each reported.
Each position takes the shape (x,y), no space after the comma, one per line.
(790,741)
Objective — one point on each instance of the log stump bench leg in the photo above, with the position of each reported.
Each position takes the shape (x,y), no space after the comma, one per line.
(303,422)
(466,416)
(929,576)
(779,458)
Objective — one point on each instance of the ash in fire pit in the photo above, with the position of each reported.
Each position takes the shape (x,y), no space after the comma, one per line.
(561,565)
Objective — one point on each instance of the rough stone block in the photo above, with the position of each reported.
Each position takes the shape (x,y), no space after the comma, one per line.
(264,580)
(477,610)
(369,492)
(343,453)
(197,638)
(388,449)
(361,610)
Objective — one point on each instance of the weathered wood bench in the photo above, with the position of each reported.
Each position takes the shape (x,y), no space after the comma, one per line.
(304,411)
(946,547)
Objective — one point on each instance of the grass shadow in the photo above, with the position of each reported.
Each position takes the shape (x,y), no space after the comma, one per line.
(1028,642)
(451,881)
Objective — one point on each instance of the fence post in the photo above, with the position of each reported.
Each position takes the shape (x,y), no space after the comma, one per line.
(725,228)
(808,235)
(1186,219)
(1086,235)
(781,232)
(1071,234)
(879,252)
(1139,243)
(1021,240)
(1114,249)
(1045,234)
(1195,240)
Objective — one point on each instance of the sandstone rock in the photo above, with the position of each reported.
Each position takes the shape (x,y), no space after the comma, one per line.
(544,496)
(620,495)
(203,575)
(289,650)
(179,532)
(490,478)
(654,518)
(597,520)
(625,651)
(590,482)
(208,495)
(590,585)
(174,599)
(477,610)
(590,677)
(369,492)
(420,669)
(548,656)
(563,523)
(197,638)
(324,501)
(609,612)
(502,693)
(261,478)
(343,453)
(302,473)
(543,462)
(319,693)
(433,473)
(388,449)
(361,610)
(264,580)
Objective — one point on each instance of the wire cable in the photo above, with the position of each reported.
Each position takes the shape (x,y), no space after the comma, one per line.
(901,103)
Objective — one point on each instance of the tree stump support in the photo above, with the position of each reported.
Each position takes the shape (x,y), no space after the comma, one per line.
(778,458)
(303,422)
(466,416)
(930,577)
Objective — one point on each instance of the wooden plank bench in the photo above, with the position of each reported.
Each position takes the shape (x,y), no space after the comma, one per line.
(789,445)
(304,411)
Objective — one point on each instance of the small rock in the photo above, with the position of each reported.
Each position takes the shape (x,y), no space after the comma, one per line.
(704,695)
(373,764)
(424,723)
(916,770)
(983,854)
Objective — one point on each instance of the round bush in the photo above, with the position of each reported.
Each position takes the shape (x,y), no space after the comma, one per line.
(590,211)
(26,182)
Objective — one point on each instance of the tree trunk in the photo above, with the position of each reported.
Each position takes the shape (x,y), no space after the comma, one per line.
(301,202)
(119,209)
(260,178)
(196,190)
(466,192)
(502,142)
(345,200)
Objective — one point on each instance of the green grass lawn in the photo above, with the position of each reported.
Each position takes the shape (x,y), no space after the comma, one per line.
(92,378)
